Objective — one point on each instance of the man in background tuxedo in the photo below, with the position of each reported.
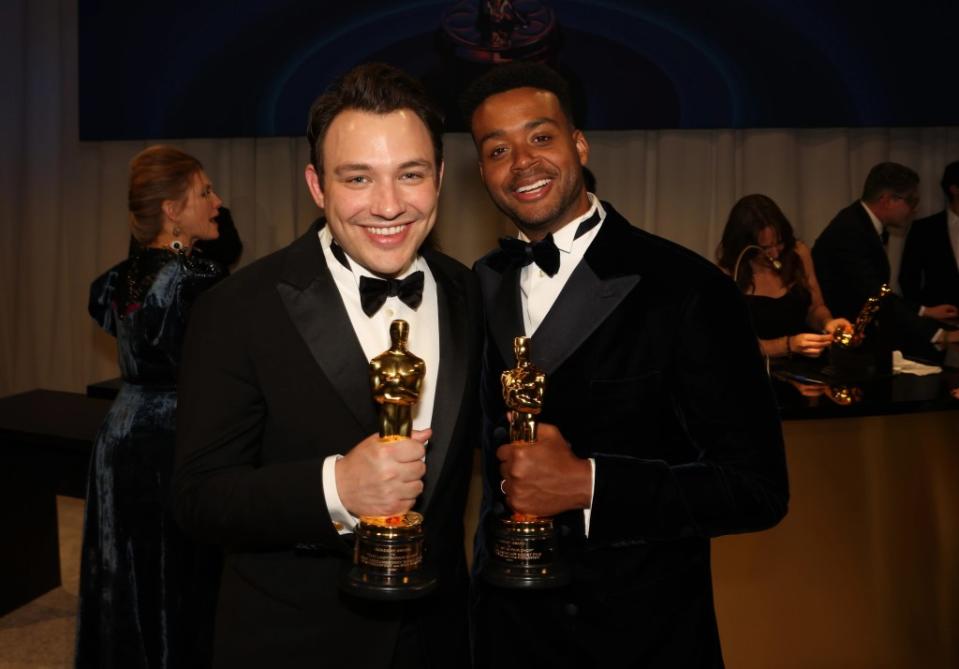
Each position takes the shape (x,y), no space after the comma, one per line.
(278,452)
(658,429)
(929,273)
(851,263)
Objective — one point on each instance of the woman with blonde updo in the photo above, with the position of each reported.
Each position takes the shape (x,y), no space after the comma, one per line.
(143,601)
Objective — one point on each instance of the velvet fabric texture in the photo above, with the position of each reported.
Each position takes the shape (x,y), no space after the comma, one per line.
(654,371)
(146,592)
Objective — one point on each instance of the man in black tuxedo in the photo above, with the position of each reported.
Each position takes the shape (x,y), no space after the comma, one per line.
(278,452)
(929,273)
(851,263)
(658,429)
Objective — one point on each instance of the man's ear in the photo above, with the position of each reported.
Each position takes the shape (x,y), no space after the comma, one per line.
(315,186)
(582,147)
(439,180)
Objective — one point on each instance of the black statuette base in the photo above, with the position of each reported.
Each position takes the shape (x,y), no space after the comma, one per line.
(388,561)
(525,556)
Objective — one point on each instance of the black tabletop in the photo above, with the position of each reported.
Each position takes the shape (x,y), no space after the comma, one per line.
(808,389)
(69,420)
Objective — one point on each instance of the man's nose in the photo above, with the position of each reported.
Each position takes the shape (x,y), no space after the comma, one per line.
(387,201)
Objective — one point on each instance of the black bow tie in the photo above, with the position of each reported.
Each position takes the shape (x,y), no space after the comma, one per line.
(373,292)
(544,252)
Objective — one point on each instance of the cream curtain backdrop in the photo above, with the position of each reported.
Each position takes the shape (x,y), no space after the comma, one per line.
(64,212)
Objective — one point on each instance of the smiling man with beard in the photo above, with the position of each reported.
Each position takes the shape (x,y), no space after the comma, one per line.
(658,429)
(278,451)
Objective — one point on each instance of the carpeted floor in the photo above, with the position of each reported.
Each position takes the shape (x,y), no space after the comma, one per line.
(40,634)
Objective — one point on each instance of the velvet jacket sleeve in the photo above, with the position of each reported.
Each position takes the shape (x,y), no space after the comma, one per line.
(717,395)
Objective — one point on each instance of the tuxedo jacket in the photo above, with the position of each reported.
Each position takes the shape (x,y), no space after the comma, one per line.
(928,274)
(274,380)
(652,369)
(851,265)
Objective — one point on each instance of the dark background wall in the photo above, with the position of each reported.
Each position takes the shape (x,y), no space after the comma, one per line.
(225,69)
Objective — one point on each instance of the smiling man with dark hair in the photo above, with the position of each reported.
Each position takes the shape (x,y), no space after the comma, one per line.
(278,448)
(659,429)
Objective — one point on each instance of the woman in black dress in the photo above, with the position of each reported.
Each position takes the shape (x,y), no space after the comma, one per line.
(146,592)
(775,272)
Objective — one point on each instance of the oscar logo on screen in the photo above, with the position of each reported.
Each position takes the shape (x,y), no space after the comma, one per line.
(524,547)
(388,553)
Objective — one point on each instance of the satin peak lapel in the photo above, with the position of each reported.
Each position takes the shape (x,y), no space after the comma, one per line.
(504,307)
(314,305)
(450,381)
(582,306)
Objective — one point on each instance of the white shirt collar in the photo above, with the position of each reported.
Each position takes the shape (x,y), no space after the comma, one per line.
(952,218)
(876,223)
(356,269)
(563,238)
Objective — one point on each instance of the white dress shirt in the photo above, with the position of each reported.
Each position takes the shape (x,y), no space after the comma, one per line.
(539,290)
(373,333)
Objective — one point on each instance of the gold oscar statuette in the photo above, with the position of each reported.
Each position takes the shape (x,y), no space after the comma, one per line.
(388,553)
(524,546)
(849,359)
(846,338)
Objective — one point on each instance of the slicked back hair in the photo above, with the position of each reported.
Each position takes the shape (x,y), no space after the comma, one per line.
(377,88)
(518,74)
(889,177)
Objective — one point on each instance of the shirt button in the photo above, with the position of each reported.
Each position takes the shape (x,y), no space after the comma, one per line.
(390,312)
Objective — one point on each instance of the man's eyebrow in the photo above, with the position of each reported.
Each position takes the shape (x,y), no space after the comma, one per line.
(529,125)
(419,162)
(351,167)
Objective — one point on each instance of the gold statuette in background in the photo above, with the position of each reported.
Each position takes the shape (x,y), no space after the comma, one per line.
(524,546)
(853,338)
(388,554)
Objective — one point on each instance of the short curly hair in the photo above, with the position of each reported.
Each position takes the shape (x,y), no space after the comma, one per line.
(518,74)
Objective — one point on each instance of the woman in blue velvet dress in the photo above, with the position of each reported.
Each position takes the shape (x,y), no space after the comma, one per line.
(146,592)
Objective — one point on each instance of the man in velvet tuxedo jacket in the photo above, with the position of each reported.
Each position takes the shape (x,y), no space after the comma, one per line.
(278,451)
(659,429)
(851,262)
(929,273)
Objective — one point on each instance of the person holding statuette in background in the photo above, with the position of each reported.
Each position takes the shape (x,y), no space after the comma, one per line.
(658,430)
(279,450)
